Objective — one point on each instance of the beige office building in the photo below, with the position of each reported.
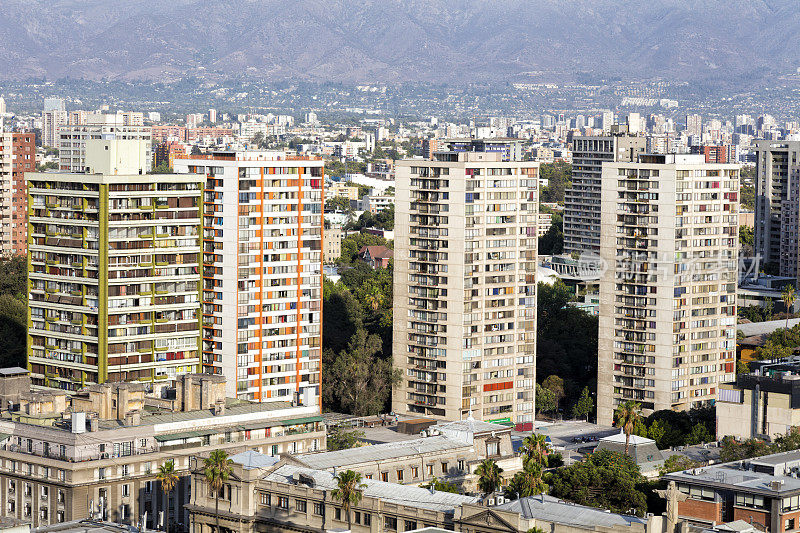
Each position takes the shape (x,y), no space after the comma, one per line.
(669,238)
(465,287)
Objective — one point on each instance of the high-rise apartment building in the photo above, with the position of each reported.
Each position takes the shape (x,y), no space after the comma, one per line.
(774,162)
(17,156)
(694,125)
(262,272)
(52,122)
(465,287)
(114,273)
(73,138)
(669,239)
(582,200)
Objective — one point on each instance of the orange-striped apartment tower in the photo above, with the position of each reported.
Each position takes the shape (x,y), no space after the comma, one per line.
(262,272)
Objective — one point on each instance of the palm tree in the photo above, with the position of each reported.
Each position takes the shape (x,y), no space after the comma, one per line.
(374,297)
(489,476)
(168,479)
(788,297)
(217,470)
(626,416)
(535,447)
(528,481)
(349,490)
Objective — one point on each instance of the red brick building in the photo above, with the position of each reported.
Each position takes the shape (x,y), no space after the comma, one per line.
(764,492)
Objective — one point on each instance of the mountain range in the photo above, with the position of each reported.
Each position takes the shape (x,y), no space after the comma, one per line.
(392,41)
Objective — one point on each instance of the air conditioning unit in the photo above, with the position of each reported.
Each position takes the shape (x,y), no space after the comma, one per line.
(491,502)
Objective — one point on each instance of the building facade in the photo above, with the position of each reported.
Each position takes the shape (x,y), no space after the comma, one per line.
(774,163)
(17,156)
(114,274)
(465,287)
(262,272)
(582,200)
(759,406)
(97,454)
(669,240)
(123,126)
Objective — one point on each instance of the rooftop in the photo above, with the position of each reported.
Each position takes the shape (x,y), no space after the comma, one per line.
(548,508)
(764,328)
(85,526)
(251,460)
(379,452)
(389,492)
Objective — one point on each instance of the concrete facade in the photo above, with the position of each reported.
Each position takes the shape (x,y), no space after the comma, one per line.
(669,240)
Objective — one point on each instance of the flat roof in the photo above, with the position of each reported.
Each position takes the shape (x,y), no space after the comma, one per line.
(380,452)
(763,328)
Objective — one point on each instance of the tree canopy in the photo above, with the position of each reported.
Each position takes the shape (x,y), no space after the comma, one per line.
(559,176)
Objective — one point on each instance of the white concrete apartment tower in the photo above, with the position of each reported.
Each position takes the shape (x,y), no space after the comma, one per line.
(262,272)
(465,287)
(669,238)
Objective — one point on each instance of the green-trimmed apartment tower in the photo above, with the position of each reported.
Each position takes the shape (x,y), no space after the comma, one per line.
(114,274)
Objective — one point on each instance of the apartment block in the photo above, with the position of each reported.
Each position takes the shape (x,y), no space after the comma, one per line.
(96,453)
(774,186)
(465,287)
(114,273)
(17,156)
(123,126)
(582,200)
(52,122)
(262,272)
(669,240)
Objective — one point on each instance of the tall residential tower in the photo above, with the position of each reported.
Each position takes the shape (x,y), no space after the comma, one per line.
(669,238)
(465,287)
(262,272)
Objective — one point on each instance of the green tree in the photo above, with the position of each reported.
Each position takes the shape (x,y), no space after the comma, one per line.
(339,203)
(656,431)
(748,197)
(606,479)
(552,242)
(555,385)
(559,176)
(353,243)
(13,331)
(349,490)
(489,476)
(746,239)
(341,439)
(534,446)
(625,417)
(528,481)
(162,168)
(441,486)
(699,435)
(217,470)
(677,463)
(545,401)
(584,406)
(342,316)
(358,381)
(168,479)
(772,350)
(788,297)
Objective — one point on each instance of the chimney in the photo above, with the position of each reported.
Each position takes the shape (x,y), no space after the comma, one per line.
(219,407)
(133,418)
(94,423)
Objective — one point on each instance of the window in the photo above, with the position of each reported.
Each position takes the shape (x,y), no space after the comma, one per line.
(59,516)
(400,475)
(410,525)
(444,467)
(101,473)
(414,472)
(142,443)
(747,500)
(126,490)
(429,469)
(300,506)
(357,517)
(384,476)
(790,524)
(319,510)
(148,487)
(390,523)
(27,489)
(368,476)
(283,502)
(701,493)
(12,486)
(125,470)
(492,448)
(60,496)
(45,492)
(367,519)
(266,498)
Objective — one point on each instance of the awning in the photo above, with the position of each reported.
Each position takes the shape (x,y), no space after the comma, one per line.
(181,436)
(306,420)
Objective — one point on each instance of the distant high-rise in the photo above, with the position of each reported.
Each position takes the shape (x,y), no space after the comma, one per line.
(694,125)
(17,156)
(114,271)
(465,287)
(53,118)
(54,104)
(212,116)
(669,239)
(582,200)
(73,138)
(2,106)
(774,164)
(607,121)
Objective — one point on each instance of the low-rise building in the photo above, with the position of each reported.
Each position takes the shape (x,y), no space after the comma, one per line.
(375,203)
(331,243)
(376,256)
(290,498)
(763,491)
(97,453)
(642,450)
(764,405)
